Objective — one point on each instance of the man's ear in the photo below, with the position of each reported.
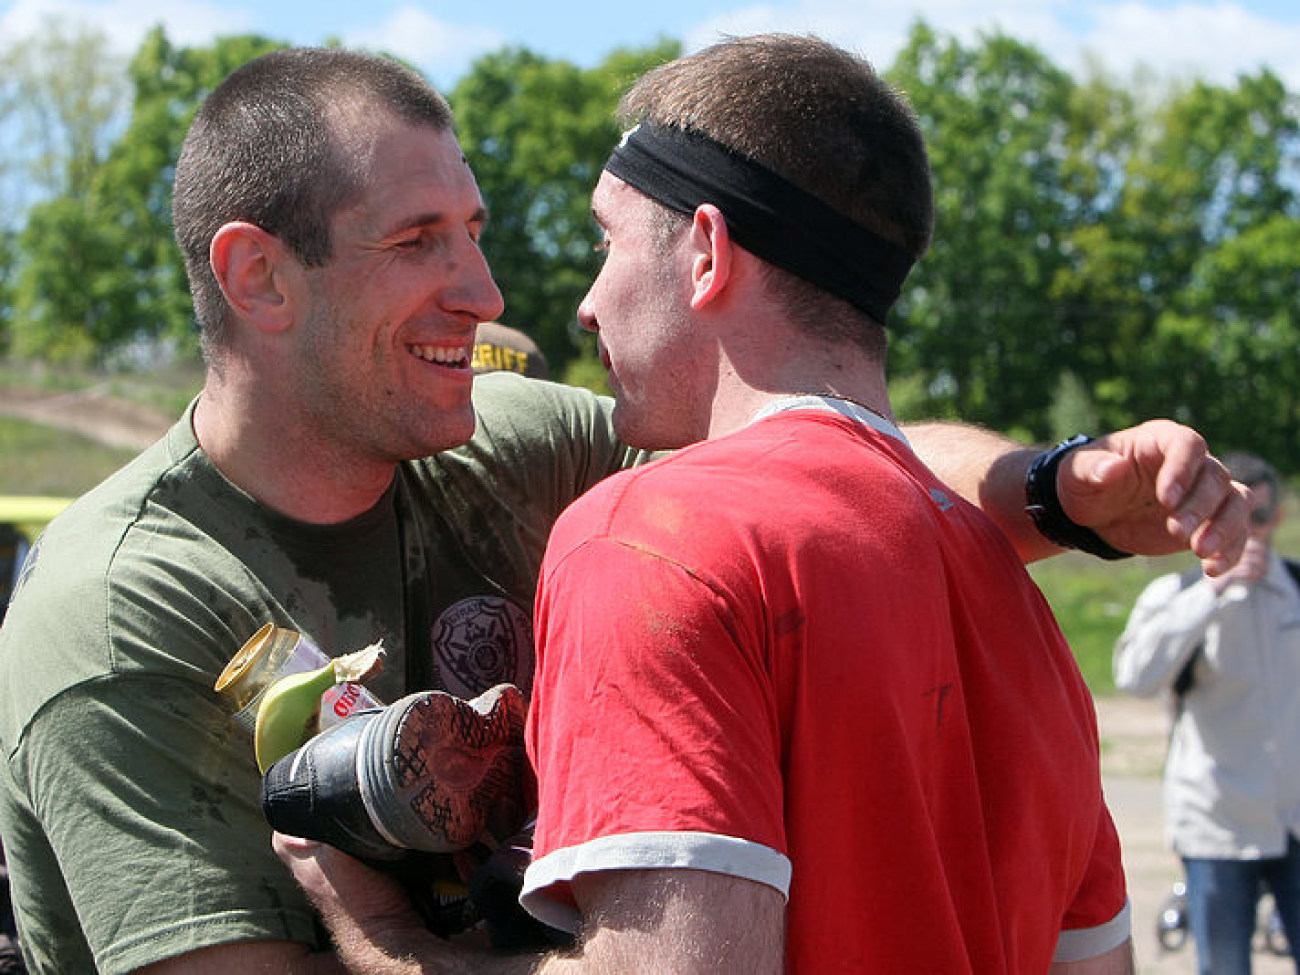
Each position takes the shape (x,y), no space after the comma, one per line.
(711,255)
(250,265)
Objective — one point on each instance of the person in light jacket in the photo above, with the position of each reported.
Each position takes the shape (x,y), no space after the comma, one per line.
(1226,651)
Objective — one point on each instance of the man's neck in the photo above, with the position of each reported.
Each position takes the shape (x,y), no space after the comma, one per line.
(739,400)
(298,476)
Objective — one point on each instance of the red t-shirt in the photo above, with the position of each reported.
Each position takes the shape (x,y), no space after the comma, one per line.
(791,655)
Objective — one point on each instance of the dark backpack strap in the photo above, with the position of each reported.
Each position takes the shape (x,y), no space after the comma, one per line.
(1293,567)
(1186,677)
(1183,682)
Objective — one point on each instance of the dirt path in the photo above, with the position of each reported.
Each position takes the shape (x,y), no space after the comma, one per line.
(1133,742)
(91,413)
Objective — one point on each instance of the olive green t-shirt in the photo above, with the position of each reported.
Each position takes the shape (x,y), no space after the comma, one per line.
(129,798)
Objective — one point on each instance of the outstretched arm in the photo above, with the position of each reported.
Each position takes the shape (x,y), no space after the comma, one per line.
(251,957)
(654,921)
(1151,489)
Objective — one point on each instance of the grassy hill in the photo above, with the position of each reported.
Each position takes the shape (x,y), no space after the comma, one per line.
(1092,599)
(37,459)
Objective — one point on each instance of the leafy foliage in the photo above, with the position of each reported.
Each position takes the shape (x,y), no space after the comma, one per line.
(60,95)
(1104,251)
(975,322)
(100,269)
(537,132)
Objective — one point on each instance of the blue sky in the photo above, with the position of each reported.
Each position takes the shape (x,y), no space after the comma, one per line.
(1207,38)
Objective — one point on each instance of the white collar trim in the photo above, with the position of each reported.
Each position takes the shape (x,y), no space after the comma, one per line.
(853,411)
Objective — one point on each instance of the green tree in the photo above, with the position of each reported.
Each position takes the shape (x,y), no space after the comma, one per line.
(1101,317)
(1179,277)
(537,132)
(62,93)
(1234,335)
(101,270)
(1072,408)
(974,322)
(1214,172)
(65,295)
(61,97)
(8,261)
(136,182)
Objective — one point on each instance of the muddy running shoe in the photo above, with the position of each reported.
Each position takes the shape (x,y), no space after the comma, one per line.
(431,772)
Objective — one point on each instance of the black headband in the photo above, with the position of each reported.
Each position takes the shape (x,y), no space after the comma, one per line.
(766,213)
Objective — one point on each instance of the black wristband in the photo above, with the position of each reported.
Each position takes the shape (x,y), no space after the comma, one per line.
(1044,506)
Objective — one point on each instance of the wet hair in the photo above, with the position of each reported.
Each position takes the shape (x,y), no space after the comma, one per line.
(822,118)
(272,145)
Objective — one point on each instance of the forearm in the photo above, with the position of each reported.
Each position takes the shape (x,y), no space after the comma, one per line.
(633,920)
(669,922)
(372,938)
(375,928)
(1151,489)
(378,951)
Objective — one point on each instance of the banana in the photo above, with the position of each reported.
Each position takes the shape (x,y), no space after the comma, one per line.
(291,705)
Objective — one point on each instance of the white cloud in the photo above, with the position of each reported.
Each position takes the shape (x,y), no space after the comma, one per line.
(1213,41)
(1216,41)
(443,50)
(125,22)
(879,32)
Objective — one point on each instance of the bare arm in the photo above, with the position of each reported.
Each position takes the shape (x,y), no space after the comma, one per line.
(1152,489)
(684,922)
(660,922)
(251,957)
(1117,961)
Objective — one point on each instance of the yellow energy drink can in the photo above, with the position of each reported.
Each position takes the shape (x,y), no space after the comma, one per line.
(274,652)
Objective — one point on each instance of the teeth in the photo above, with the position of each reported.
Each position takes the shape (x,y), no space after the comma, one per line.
(441,354)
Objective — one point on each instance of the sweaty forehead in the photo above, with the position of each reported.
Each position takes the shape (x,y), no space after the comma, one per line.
(412,175)
(426,156)
(611,198)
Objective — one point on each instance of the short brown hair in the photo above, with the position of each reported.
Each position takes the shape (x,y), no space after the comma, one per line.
(814,113)
(266,148)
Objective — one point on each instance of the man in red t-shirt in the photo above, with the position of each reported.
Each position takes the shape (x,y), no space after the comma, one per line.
(770,729)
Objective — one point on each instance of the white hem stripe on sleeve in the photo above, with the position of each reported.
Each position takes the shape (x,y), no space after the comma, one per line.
(1088,943)
(648,851)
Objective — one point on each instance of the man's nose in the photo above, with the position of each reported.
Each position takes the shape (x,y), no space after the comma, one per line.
(476,290)
(587,314)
